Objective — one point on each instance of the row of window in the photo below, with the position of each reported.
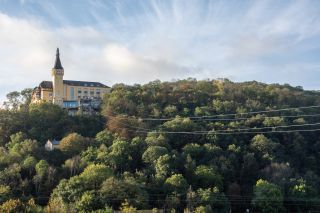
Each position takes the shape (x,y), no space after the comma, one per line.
(91,92)
(86,94)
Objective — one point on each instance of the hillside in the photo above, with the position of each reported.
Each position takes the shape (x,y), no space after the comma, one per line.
(203,145)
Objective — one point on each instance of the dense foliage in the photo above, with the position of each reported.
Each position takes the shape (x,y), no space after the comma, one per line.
(160,145)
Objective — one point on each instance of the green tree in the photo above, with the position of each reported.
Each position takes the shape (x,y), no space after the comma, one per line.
(267,197)
(47,121)
(120,156)
(176,183)
(263,146)
(5,193)
(29,164)
(214,198)
(94,174)
(105,137)
(42,168)
(153,153)
(154,139)
(115,191)
(11,177)
(207,177)
(13,100)
(88,202)
(26,96)
(164,166)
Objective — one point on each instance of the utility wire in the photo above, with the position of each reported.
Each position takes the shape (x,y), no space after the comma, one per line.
(222,132)
(261,128)
(235,131)
(232,119)
(244,113)
(230,133)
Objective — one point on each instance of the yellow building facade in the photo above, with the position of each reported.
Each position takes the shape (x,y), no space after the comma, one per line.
(66,92)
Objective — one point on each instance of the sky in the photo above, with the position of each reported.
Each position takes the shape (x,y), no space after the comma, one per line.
(137,41)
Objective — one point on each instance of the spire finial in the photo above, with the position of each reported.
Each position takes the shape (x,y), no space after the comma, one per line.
(57,64)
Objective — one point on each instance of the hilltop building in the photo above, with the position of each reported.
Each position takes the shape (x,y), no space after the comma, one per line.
(72,95)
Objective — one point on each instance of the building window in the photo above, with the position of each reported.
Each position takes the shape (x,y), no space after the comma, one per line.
(79,91)
(85,92)
(72,93)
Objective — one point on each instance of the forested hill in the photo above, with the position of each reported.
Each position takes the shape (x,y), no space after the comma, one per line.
(209,146)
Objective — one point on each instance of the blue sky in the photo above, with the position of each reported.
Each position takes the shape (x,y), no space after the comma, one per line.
(134,41)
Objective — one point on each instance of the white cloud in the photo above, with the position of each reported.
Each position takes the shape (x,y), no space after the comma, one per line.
(28,50)
(164,41)
(133,68)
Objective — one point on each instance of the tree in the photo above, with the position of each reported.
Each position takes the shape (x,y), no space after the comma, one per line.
(126,208)
(12,206)
(120,156)
(201,209)
(42,168)
(207,177)
(176,183)
(88,202)
(16,99)
(267,197)
(164,166)
(214,198)
(154,139)
(29,164)
(47,121)
(16,139)
(73,144)
(42,171)
(95,174)
(24,148)
(195,151)
(153,153)
(105,137)
(179,124)
(13,100)
(5,193)
(263,146)
(73,165)
(278,173)
(11,177)
(26,96)
(115,191)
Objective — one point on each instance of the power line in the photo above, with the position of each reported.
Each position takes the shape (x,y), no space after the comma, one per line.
(230,133)
(222,131)
(260,128)
(234,131)
(244,113)
(219,132)
(232,119)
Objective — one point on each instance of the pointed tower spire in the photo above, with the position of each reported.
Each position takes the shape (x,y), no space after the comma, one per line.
(57,64)
(57,73)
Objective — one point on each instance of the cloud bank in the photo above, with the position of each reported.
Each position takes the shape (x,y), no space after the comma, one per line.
(117,41)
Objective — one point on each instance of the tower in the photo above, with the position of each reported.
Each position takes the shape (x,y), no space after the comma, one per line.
(57,73)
